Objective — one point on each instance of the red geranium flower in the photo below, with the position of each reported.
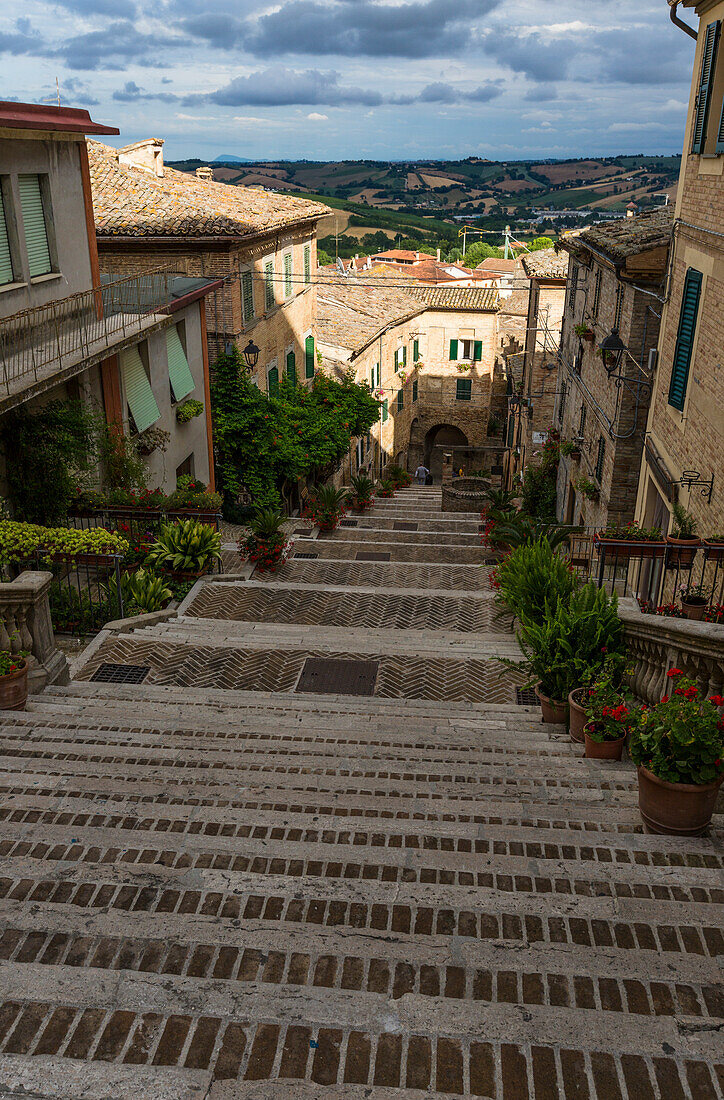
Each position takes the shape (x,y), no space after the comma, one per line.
(674,672)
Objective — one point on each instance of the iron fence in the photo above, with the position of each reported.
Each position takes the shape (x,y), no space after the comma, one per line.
(142,525)
(85,592)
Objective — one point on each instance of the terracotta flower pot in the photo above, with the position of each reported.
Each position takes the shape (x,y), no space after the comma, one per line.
(553,710)
(589,337)
(681,552)
(604,750)
(676,809)
(714,550)
(576,715)
(14,688)
(694,607)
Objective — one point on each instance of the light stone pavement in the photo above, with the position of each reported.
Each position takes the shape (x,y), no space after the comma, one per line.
(320,852)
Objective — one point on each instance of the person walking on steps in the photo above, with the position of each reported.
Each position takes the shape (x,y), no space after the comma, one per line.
(421,474)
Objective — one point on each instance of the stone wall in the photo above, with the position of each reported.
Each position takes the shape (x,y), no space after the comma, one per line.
(464,494)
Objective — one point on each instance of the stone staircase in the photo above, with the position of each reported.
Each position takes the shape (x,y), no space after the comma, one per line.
(216,885)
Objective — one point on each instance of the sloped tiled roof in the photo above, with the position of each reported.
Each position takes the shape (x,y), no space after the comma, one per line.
(130,202)
(627,236)
(493,264)
(350,315)
(480,299)
(546,264)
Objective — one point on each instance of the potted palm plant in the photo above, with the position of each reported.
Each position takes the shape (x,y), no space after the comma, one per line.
(327,507)
(678,748)
(13,680)
(684,542)
(361,493)
(266,543)
(386,489)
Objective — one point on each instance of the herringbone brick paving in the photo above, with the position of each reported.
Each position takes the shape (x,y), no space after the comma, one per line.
(212,887)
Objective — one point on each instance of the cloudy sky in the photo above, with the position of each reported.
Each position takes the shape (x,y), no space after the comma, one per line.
(361,78)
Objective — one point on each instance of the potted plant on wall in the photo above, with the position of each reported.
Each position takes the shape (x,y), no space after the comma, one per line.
(631,541)
(585,332)
(684,542)
(588,489)
(13,680)
(714,547)
(693,601)
(678,748)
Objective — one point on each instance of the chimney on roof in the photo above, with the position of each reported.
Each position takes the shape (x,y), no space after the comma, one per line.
(417,255)
(439,255)
(204,174)
(146,155)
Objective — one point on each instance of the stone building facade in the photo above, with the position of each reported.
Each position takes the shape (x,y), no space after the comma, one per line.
(262,246)
(533,370)
(686,421)
(429,355)
(615,284)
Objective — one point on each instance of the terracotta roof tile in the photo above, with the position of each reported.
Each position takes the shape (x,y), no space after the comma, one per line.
(626,236)
(130,202)
(546,264)
(480,299)
(351,314)
(492,263)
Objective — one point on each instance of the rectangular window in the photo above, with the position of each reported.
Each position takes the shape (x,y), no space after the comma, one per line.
(582,421)
(706,82)
(247,296)
(415,351)
(685,338)
(291,366)
(182,380)
(414,390)
(464,389)
(596,295)
(309,357)
(272,380)
(385,411)
(400,399)
(288,275)
(599,458)
(307,263)
(562,406)
(573,288)
(6,259)
(269,300)
(137,388)
(34,225)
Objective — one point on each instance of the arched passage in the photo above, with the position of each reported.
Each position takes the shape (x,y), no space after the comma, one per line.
(438,439)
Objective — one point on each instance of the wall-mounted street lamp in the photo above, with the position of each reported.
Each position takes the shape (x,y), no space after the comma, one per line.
(251,355)
(612,351)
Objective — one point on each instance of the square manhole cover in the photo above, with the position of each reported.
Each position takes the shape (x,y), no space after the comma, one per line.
(336,676)
(120,674)
(403,525)
(307,557)
(526,697)
(365,555)
(303,531)
(348,522)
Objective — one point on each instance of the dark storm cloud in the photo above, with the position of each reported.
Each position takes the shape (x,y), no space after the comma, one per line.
(363,28)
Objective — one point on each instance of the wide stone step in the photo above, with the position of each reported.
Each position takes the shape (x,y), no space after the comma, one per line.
(389,575)
(426,537)
(431,552)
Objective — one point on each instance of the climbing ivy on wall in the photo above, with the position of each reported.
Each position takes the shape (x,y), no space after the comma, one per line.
(263,442)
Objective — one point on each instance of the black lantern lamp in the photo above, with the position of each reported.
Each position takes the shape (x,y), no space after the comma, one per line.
(251,355)
(612,351)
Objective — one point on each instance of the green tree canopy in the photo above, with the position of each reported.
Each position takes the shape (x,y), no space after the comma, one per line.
(480,251)
(540,243)
(264,442)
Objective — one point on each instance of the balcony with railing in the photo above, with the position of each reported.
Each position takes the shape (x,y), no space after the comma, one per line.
(43,346)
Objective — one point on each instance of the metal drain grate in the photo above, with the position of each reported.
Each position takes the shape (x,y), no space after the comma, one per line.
(307,557)
(334,676)
(348,522)
(526,697)
(120,674)
(365,555)
(403,525)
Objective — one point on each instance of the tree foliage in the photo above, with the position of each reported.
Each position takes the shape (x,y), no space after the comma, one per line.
(264,443)
(480,251)
(540,243)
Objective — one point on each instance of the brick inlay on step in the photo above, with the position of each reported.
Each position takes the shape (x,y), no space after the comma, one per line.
(364,555)
(404,525)
(336,677)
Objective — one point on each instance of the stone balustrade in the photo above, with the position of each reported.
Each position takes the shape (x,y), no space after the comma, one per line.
(656,643)
(26,626)
(464,494)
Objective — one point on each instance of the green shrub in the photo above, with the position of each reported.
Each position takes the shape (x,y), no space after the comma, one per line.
(19,541)
(187,410)
(533,575)
(142,592)
(186,547)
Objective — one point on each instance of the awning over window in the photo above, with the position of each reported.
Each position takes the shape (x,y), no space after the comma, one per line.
(139,394)
(182,380)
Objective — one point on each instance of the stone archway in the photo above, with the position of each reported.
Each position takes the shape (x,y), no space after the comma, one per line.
(438,439)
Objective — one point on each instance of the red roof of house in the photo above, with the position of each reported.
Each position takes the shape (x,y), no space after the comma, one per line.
(399,254)
(504,267)
(41,116)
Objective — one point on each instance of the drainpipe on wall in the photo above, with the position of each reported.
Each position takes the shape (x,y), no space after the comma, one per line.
(673,5)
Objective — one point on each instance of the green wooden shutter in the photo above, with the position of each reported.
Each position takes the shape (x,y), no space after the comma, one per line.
(685,339)
(182,380)
(307,263)
(415,350)
(414,390)
(291,366)
(720,134)
(269,285)
(272,376)
(400,399)
(288,275)
(404,355)
(600,457)
(464,389)
(309,357)
(385,410)
(703,99)
(453,350)
(596,294)
(247,295)
(477,351)
(378,374)
(36,231)
(139,394)
(6,259)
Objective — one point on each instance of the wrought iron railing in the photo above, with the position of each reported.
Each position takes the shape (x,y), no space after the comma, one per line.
(37,343)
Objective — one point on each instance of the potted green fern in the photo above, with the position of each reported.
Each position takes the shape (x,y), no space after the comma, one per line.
(684,542)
